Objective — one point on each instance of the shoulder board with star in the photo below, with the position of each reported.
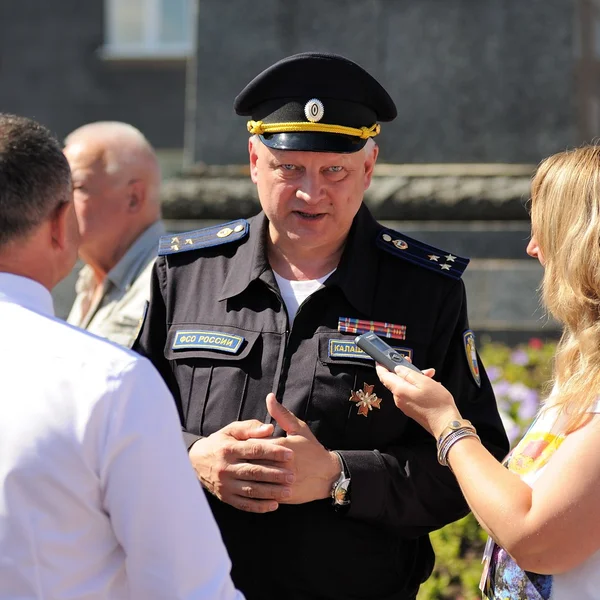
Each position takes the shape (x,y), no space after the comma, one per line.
(203,238)
(422,254)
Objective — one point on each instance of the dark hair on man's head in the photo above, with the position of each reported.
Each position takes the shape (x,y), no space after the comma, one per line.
(34,176)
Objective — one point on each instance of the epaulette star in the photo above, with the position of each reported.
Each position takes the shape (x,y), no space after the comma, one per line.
(421,254)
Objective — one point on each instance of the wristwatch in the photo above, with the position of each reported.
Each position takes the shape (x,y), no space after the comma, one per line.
(340,491)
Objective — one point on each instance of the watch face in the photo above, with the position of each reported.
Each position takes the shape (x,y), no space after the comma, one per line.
(340,495)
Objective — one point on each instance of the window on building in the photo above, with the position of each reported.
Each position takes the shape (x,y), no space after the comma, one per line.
(148,28)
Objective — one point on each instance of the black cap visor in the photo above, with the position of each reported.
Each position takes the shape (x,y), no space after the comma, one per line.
(311,141)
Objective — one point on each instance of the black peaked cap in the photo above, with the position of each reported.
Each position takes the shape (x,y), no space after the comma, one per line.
(330,89)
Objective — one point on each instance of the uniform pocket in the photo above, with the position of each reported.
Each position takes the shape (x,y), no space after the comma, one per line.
(370,417)
(212,365)
(339,365)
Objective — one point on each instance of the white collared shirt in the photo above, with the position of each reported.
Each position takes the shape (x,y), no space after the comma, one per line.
(97,496)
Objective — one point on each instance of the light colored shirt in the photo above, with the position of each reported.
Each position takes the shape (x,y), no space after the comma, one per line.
(294,293)
(508,581)
(117,311)
(98,499)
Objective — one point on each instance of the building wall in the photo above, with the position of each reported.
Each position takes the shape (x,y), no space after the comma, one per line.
(474,81)
(52,69)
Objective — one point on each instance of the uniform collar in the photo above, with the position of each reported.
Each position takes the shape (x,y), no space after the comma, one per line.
(250,260)
(25,292)
(356,274)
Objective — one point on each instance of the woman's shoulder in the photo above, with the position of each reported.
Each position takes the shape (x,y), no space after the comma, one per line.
(595,407)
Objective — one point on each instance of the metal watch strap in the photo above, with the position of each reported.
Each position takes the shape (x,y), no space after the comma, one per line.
(339,490)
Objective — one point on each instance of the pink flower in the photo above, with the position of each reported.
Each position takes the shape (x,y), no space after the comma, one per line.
(536,343)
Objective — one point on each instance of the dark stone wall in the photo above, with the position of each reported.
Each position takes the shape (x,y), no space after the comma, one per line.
(51,69)
(474,81)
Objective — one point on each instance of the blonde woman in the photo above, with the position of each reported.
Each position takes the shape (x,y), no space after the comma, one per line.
(542,512)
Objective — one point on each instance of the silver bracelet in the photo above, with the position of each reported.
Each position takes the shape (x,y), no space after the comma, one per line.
(447,442)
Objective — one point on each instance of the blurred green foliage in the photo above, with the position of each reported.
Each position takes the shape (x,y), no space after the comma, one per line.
(520,377)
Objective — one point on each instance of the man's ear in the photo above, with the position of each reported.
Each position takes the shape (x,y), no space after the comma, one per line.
(59,225)
(253,152)
(136,195)
(370,161)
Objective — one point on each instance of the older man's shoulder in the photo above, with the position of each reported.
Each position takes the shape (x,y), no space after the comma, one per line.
(207,237)
(421,254)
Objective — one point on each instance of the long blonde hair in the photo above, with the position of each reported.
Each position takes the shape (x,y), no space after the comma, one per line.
(565,216)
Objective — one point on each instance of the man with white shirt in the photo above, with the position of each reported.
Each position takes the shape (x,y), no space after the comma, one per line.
(97,498)
(116,182)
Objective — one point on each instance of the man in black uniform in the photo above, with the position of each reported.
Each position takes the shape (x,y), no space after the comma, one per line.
(322,488)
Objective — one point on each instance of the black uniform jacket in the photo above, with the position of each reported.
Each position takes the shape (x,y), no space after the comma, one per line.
(378,548)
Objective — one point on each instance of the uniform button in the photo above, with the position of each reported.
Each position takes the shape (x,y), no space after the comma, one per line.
(238,228)
(225,232)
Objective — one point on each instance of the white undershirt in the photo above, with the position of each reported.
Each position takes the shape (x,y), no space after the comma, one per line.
(294,293)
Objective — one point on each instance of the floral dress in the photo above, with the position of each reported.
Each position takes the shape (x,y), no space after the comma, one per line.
(503,579)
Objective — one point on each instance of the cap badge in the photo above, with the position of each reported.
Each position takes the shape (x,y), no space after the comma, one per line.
(314,110)
(365,400)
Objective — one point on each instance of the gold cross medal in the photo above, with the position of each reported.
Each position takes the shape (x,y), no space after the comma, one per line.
(365,400)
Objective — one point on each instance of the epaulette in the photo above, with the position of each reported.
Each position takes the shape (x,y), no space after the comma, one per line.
(422,254)
(203,238)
